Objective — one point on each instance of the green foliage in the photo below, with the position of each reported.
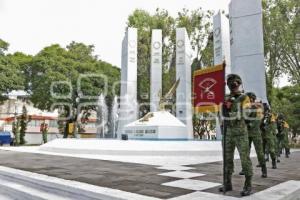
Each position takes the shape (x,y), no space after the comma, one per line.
(198,25)
(59,69)
(3,46)
(145,22)
(282,39)
(286,100)
(73,74)
(11,77)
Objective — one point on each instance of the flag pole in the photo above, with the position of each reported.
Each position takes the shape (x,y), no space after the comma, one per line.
(224,132)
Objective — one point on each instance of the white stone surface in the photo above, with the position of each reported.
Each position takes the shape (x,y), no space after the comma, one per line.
(156,69)
(191,184)
(183,72)
(40,187)
(175,168)
(128,98)
(181,174)
(247,48)
(286,191)
(221,41)
(162,125)
(170,155)
(204,196)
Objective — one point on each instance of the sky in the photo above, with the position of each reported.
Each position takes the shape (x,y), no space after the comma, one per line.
(30,25)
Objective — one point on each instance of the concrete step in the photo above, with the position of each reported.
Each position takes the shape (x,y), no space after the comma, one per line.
(16,190)
(23,185)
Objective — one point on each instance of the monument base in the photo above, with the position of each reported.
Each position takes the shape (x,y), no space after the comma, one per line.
(160,125)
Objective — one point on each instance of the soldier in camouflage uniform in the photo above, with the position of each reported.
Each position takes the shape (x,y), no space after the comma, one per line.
(253,124)
(280,134)
(283,135)
(234,110)
(269,138)
(286,140)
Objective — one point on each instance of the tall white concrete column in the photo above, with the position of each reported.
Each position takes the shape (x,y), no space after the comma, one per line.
(247,47)
(221,41)
(128,99)
(221,50)
(156,69)
(183,72)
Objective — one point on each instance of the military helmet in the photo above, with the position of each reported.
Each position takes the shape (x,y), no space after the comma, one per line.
(251,95)
(234,77)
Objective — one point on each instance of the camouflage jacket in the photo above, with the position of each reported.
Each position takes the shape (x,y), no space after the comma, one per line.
(254,120)
(235,111)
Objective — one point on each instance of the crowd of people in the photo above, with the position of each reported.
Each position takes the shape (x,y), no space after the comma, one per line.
(248,121)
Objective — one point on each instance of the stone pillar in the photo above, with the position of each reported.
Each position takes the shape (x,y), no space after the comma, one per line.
(247,46)
(128,98)
(183,72)
(156,69)
(221,41)
(221,50)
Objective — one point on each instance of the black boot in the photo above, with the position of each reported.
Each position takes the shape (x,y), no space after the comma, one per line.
(241,173)
(274,166)
(264,171)
(247,186)
(287,153)
(258,165)
(228,185)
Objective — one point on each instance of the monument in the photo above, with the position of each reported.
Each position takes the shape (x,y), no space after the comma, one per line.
(159,123)
(156,69)
(183,72)
(128,98)
(247,46)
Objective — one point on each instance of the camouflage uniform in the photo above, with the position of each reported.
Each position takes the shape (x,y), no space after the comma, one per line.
(286,139)
(254,132)
(236,136)
(269,137)
(280,134)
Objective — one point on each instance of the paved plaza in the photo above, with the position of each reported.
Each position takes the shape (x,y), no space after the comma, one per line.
(185,182)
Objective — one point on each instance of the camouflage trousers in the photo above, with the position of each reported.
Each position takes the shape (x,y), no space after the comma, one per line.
(279,143)
(269,144)
(258,145)
(286,142)
(242,144)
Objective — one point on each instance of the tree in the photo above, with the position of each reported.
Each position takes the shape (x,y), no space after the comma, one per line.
(286,100)
(3,47)
(11,77)
(24,63)
(198,25)
(145,22)
(281,38)
(70,79)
